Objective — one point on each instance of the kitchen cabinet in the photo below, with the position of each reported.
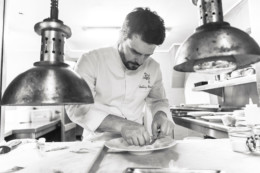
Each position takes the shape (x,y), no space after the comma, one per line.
(59,128)
(49,130)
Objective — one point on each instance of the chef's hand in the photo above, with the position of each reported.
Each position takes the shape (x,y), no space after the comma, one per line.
(135,134)
(160,121)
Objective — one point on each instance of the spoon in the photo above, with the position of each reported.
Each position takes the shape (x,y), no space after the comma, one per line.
(9,146)
(4,149)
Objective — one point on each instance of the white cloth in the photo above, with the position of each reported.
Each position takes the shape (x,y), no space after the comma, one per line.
(117,90)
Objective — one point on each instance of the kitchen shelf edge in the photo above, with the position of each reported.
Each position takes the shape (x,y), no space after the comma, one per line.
(226,83)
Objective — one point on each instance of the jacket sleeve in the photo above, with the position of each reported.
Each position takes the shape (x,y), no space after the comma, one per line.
(88,116)
(156,99)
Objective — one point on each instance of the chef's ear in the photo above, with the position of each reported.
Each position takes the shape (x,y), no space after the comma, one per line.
(123,34)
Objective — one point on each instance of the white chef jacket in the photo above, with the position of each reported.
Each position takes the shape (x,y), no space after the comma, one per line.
(117,90)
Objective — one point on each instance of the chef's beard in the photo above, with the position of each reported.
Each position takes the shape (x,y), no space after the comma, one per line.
(128,64)
(132,65)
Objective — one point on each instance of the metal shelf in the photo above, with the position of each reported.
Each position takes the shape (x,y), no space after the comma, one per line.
(226,83)
(216,88)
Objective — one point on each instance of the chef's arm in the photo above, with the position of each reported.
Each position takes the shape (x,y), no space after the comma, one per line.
(159,106)
(162,122)
(113,123)
(133,132)
(156,100)
(88,116)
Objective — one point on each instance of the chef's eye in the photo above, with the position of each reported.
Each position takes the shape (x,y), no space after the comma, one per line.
(135,52)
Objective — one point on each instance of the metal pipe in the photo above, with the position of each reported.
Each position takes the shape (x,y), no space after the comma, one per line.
(2,117)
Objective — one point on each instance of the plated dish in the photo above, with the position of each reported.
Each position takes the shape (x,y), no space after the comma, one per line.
(119,144)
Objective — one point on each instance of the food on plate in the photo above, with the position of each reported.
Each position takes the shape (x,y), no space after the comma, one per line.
(236,73)
(248,71)
(228,120)
(214,66)
(120,143)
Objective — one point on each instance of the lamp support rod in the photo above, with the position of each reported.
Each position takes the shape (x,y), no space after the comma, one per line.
(54,9)
(2,24)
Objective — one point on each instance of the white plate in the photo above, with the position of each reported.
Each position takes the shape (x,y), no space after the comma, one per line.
(212,118)
(222,113)
(119,144)
(200,113)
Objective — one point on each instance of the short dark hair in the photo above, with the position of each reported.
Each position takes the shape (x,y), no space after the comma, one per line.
(146,23)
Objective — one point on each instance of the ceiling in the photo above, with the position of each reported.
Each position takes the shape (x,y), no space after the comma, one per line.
(96,23)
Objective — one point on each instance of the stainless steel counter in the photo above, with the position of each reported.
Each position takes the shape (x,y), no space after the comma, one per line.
(208,154)
(212,129)
(31,130)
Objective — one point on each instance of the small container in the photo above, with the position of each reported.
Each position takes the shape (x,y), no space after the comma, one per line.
(256,131)
(248,71)
(228,120)
(239,138)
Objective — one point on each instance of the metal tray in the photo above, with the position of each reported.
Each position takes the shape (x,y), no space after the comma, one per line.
(167,170)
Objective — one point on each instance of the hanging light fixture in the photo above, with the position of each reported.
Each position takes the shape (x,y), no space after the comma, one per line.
(216,47)
(50,81)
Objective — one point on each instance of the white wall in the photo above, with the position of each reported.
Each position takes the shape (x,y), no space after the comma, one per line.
(166,59)
(254,13)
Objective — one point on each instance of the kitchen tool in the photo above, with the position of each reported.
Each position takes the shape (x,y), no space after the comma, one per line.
(9,146)
(13,169)
(168,170)
(4,149)
(155,138)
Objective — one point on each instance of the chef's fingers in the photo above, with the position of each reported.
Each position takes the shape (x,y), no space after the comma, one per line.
(146,136)
(135,141)
(170,131)
(141,140)
(129,141)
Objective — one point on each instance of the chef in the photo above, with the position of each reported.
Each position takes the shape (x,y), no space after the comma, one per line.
(124,79)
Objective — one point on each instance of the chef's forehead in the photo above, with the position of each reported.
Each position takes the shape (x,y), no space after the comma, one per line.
(140,46)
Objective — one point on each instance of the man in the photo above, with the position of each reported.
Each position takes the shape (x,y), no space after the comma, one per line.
(123,80)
